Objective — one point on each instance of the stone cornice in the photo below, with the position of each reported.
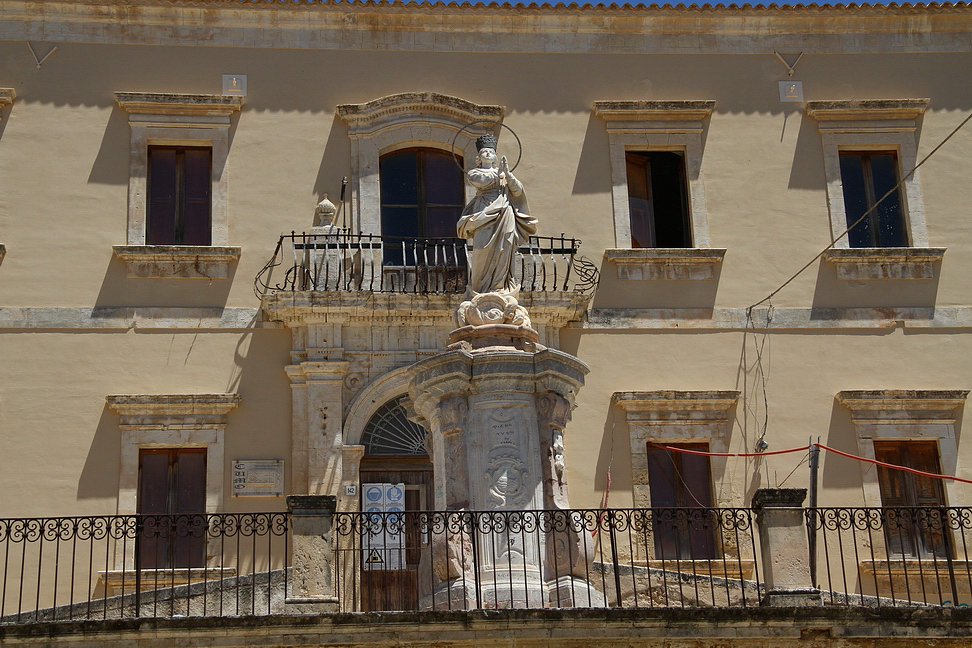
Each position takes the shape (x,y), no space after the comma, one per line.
(162,103)
(370,117)
(653,111)
(665,263)
(902,403)
(867,109)
(661,404)
(151,410)
(885,263)
(7,96)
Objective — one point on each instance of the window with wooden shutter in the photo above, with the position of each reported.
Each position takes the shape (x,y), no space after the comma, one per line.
(681,481)
(913,519)
(422,196)
(172,501)
(657,200)
(179,195)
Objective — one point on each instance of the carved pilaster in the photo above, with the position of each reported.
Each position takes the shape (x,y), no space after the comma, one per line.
(317,392)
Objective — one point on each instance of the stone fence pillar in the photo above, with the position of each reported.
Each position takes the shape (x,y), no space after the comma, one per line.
(312,580)
(784,549)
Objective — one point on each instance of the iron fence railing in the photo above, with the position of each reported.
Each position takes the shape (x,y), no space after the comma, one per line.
(111,567)
(630,558)
(892,556)
(369,262)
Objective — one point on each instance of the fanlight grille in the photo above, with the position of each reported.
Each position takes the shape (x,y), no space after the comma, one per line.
(390,432)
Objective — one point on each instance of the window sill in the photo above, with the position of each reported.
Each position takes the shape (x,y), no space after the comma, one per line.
(665,263)
(884,263)
(176,261)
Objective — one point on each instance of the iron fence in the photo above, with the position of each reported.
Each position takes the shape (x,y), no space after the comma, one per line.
(630,558)
(369,262)
(111,567)
(892,556)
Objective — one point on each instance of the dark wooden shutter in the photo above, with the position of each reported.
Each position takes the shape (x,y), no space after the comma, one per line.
(680,482)
(913,517)
(197,226)
(163,194)
(172,501)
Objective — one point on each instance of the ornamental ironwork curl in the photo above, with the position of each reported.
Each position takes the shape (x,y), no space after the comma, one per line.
(119,527)
(891,518)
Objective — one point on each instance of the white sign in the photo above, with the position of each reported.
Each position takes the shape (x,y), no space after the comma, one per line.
(258,478)
(383,535)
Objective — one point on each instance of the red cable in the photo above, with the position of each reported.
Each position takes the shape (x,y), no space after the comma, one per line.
(819,445)
(728,454)
(893,466)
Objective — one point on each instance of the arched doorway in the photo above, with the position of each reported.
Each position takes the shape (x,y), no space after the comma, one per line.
(396,475)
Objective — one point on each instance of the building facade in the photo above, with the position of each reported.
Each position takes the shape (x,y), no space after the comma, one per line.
(182,332)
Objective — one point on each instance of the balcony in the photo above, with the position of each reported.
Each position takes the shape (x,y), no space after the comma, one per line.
(384,281)
(115,567)
(344,262)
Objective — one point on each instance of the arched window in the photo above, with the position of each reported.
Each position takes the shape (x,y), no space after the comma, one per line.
(390,432)
(422,196)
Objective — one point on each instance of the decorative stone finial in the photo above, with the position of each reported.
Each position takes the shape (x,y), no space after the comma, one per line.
(324,214)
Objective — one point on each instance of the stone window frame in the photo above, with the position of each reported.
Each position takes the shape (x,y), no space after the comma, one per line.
(172,421)
(900,415)
(644,126)
(399,121)
(875,125)
(676,417)
(177,120)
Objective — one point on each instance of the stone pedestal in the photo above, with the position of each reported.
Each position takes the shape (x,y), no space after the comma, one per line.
(496,407)
(311,585)
(784,549)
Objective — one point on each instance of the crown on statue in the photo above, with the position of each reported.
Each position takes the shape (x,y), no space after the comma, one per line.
(486,141)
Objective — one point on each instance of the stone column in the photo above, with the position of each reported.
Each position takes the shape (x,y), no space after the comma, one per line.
(784,549)
(317,392)
(496,417)
(312,580)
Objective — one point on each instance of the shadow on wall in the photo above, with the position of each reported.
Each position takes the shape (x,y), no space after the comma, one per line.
(99,476)
(593,168)
(260,428)
(614,456)
(831,292)
(840,473)
(111,165)
(696,295)
(335,165)
(120,291)
(807,170)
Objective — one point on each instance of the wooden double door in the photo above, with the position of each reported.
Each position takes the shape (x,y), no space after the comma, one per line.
(392,556)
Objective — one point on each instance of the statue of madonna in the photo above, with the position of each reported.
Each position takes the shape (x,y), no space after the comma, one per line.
(496,222)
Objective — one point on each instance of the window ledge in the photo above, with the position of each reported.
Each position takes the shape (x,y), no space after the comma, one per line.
(665,263)
(884,263)
(176,261)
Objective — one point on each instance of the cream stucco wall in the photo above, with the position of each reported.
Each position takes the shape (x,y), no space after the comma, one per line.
(74,329)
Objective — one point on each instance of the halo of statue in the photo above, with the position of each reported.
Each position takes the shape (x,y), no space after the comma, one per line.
(519,144)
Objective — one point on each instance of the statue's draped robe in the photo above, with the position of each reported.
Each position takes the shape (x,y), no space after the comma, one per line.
(497,222)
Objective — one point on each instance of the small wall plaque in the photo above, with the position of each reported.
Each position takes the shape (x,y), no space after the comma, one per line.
(791,91)
(234,84)
(263,478)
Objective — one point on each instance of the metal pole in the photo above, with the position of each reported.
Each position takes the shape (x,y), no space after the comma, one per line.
(812,529)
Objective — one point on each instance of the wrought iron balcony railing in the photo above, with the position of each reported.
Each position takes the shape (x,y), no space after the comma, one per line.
(892,556)
(368,262)
(110,567)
